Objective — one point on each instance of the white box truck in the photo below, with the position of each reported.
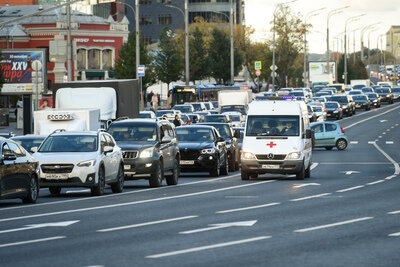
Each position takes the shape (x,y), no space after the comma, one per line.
(361,82)
(234,100)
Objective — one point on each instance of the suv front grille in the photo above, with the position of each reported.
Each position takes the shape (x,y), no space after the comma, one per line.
(57,168)
(189,154)
(130,154)
(275,157)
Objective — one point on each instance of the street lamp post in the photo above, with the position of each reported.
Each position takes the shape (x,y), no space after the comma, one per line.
(331,13)
(369,51)
(69,42)
(351,19)
(362,37)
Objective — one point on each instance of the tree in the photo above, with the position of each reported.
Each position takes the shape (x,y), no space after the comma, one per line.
(168,62)
(125,67)
(198,61)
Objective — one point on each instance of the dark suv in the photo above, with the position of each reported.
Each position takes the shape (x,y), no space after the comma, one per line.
(346,102)
(150,150)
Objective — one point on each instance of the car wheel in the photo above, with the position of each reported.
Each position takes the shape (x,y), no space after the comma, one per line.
(232,163)
(215,171)
(301,174)
(33,191)
(341,144)
(224,170)
(55,190)
(307,173)
(157,176)
(98,190)
(118,186)
(173,179)
(328,147)
(245,175)
(237,162)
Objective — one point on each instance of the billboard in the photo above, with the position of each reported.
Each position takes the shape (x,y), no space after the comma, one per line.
(23,69)
(319,72)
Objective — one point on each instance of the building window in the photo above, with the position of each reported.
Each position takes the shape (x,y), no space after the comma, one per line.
(81,58)
(107,59)
(165,19)
(94,59)
(145,20)
(145,2)
(147,40)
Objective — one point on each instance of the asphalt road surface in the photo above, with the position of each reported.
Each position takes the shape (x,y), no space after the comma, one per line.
(346,214)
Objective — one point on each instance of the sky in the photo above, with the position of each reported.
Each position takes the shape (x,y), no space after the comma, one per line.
(259,14)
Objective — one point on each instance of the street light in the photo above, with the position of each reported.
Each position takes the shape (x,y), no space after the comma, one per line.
(354,44)
(308,15)
(331,13)
(351,19)
(273,46)
(382,53)
(362,37)
(186,18)
(373,29)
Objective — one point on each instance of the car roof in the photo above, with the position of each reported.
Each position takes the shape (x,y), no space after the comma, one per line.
(28,136)
(213,123)
(141,121)
(74,133)
(197,125)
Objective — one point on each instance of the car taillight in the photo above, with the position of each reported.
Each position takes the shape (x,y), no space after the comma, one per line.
(341,128)
(325,110)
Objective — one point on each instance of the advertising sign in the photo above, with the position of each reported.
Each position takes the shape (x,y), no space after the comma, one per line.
(319,72)
(23,70)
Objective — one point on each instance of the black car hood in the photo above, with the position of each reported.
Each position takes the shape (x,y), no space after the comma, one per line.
(126,145)
(195,145)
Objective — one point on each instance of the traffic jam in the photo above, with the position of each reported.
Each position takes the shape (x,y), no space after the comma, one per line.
(214,130)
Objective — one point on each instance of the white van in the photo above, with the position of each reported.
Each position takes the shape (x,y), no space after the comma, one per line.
(277,139)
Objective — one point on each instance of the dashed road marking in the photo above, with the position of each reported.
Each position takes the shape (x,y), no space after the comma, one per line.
(350,189)
(371,142)
(310,197)
(354,142)
(389,142)
(248,208)
(32,241)
(395,234)
(376,182)
(332,224)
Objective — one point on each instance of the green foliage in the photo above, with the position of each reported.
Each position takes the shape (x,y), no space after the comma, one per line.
(168,64)
(354,71)
(198,61)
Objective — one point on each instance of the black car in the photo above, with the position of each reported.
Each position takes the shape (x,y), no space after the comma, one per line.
(28,141)
(240,139)
(375,99)
(362,102)
(386,94)
(333,110)
(202,149)
(231,139)
(346,102)
(18,178)
(149,148)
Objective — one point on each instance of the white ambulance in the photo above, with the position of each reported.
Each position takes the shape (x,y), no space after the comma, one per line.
(277,139)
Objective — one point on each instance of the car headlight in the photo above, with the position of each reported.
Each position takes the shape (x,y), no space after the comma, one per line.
(345,106)
(87,163)
(376,100)
(208,151)
(248,155)
(336,111)
(294,155)
(387,95)
(147,153)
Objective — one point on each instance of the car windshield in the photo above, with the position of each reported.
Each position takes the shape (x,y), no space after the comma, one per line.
(184,109)
(69,143)
(340,99)
(382,90)
(163,112)
(233,108)
(367,89)
(234,117)
(194,134)
(145,115)
(296,93)
(215,104)
(317,109)
(272,126)
(218,118)
(29,143)
(355,93)
(224,130)
(331,105)
(396,90)
(197,106)
(359,97)
(207,105)
(133,132)
(372,96)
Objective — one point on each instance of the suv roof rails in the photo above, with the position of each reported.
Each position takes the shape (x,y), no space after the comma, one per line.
(122,118)
(58,131)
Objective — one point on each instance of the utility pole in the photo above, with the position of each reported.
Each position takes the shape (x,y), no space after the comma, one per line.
(187,78)
(232,40)
(69,41)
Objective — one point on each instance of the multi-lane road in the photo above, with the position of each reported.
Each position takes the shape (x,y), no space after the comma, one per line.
(346,214)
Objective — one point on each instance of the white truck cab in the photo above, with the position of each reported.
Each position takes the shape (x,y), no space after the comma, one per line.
(277,139)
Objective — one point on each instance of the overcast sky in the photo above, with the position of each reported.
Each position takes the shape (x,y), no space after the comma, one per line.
(258,14)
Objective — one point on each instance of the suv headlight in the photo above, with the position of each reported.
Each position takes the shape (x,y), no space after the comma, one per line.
(208,151)
(387,95)
(147,153)
(87,163)
(294,155)
(248,155)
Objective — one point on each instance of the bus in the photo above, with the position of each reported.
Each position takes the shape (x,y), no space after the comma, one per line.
(181,94)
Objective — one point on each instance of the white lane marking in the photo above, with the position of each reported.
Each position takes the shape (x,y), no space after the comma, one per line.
(376,182)
(369,118)
(392,127)
(350,189)
(396,165)
(390,177)
(387,130)
(195,249)
(354,142)
(371,142)
(389,142)
(395,234)
(349,172)
(32,241)
(134,202)
(397,124)
(332,225)
(310,197)
(40,225)
(380,136)
(249,208)
(119,194)
(220,226)
(77,191)
(146,224)
(314,165)
(394,212)
(304,185)
(356,163)
(383,120)
(384,133)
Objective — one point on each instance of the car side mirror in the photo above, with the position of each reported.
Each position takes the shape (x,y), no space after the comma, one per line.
(308,134)
(108,149)
(9,156)
(166,139)
(34,149)
(237,134)
(220,139)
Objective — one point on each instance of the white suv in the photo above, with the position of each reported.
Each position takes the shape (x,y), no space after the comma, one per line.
(80,159)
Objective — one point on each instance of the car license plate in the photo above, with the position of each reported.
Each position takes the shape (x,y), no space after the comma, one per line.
(56,176)
(187,162)
(269,166)
(127,167)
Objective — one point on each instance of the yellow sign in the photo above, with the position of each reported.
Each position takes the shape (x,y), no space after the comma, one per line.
(257,65)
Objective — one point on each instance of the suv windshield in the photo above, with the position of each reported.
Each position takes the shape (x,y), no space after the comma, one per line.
(197,107)
(183,108)
(69,143)
(359,97)
(224,130)
(382,90)
(133,132)
(163,112)
(340,99)
(372,96)
(194,134)
(238,108)
(272,126)
(331,105)
(217,118)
